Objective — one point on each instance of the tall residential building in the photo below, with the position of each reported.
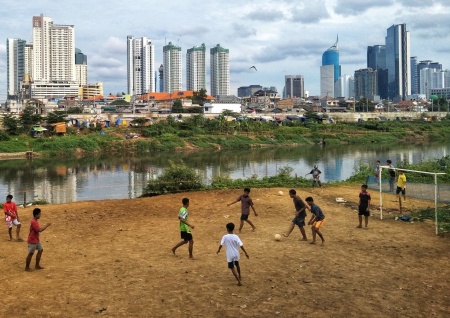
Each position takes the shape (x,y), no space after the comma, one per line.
(220,71)
(398,58)
(172,68)
(330,70)
(294,86)
(28,56)
(432,78)
(140,66)
(80,67)
(196,68)
(365,83)
(376,60)
(414,77)
(344,86)
(422,65)
(15,61)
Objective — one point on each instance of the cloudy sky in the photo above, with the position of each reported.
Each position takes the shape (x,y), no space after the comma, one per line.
(279,37)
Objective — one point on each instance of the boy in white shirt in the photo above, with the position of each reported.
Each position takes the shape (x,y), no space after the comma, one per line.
(232,243)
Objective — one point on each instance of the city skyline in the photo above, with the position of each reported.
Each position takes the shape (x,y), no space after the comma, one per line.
(278,37)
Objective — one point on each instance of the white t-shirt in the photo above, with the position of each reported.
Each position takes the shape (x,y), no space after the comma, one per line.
(232,242)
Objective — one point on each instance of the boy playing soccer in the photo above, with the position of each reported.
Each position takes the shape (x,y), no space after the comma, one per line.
(33,240)
(401,185)
(11,217)
(363,206)
(246,203)
(185,228)
(300,215)
(232,243)
(316,220)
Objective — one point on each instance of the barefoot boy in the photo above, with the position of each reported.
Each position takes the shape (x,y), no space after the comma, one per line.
(401,185)
(185,228)
(316,220)
(246,203)
(11,217)
(363,206)
(300,215)
(232,243)
(33,240)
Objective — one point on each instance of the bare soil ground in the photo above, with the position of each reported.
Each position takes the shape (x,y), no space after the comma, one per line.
(113,259)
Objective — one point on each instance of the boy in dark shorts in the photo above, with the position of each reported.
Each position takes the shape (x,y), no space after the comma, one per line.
(391,171)
(300,215)
(316,220)
(33,240)
(232,243)
(185,228)
(401,185)
(246,203)
(363,206)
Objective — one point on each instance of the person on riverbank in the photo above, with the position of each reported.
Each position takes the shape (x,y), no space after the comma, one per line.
(377,172)
(315,172)
(34,242)
(401,185)
(391,175)
(232,243)
(246,204)
(185,229)
(364,206)
(300,215)
(12,217)
(316,220)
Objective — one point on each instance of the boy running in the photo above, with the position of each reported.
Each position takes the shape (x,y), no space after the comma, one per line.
(33,240)
(363,206)
(300,215)
(232,243)
(185,228)
(11,217)
(246,203)
(316,220)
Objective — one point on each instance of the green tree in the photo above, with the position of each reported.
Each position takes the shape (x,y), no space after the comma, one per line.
(29,118)
(56,117)
(177,106)
(11,124)
(120,102)
(199,97)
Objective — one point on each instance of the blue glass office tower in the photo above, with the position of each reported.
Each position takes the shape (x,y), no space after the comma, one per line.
(331,57)
(330,71)
(376,60)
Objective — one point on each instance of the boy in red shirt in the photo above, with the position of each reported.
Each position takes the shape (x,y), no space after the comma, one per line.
(11,217)
(33,240)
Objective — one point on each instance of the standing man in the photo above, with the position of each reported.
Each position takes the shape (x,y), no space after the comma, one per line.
(185,228)
(315,172)
(300,215)
(316,220)
(33,240)
(391,175)
(363,206)
(11,217)
(246,203)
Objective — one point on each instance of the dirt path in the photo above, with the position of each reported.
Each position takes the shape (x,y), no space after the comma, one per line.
(113,257)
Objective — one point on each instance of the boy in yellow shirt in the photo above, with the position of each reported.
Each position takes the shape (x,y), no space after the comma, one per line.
(401,185)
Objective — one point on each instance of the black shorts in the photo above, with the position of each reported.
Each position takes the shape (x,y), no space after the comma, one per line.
(244,217)
(186,236)
(298,221)
(232,264)
(399,189)
(362,210)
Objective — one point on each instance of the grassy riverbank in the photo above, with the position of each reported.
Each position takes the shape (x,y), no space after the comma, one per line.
(200,133)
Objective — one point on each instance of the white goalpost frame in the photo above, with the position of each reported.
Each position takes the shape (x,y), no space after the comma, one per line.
(435,174)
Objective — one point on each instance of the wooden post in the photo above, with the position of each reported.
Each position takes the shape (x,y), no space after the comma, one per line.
(24,199)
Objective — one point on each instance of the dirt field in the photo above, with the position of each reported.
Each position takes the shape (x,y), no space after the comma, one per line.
(113,259)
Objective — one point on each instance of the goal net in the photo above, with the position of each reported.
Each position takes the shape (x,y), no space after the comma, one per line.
(422,185)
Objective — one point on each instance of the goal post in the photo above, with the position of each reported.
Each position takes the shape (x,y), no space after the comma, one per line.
(435,174)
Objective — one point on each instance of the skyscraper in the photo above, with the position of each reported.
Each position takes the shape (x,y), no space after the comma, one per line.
(220,71)
(140,65)
(398,60)
(80,67)
(365,83)
(422,83)
(15,61)
(172,68)
(294,86)
(414,77)
(345,86)
(330,70)
(196,68)
(376,60)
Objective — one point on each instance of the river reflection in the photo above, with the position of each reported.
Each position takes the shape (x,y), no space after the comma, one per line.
(99,178)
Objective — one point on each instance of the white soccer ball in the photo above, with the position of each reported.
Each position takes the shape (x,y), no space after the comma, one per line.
(280,192)
(277,237)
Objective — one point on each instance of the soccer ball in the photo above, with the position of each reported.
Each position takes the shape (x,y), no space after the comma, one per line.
(280,192)
(277,237)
